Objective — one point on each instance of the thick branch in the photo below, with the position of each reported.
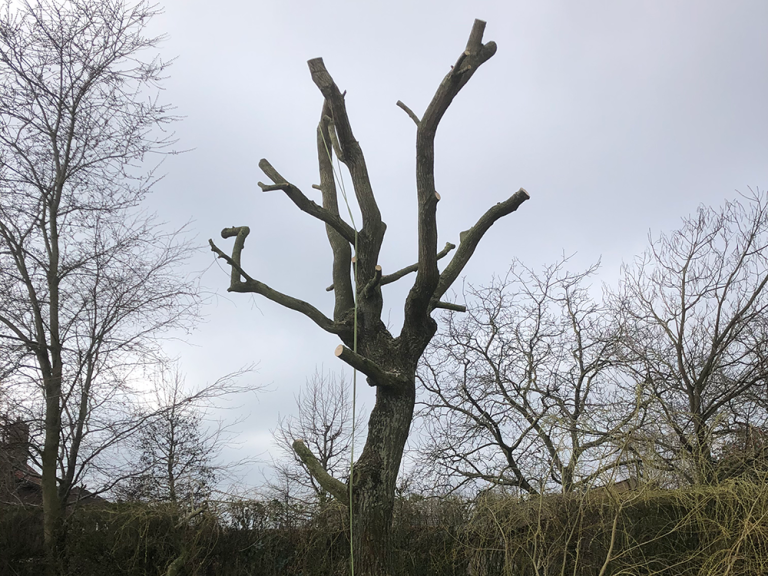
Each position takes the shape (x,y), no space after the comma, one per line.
(333,486)
(304,203)
(472,237)
(428,275)
(342,251)
(256,287)
(376,375)
(352,156)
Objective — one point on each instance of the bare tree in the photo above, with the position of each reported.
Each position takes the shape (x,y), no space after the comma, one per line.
(695,311)
(175,451)
(87,279)
(324,422)
(387,360)
(521,391)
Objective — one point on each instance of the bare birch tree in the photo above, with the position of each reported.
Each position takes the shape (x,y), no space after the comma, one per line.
(88,280)
(389,361)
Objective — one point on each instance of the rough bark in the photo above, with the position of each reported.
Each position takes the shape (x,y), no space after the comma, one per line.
(388,361)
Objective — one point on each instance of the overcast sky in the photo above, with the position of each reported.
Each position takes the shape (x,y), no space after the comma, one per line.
(618,118)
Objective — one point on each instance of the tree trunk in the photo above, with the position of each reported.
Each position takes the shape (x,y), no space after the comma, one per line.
(53,513)
(375,477)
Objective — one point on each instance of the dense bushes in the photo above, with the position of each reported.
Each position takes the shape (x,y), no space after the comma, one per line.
(711,531)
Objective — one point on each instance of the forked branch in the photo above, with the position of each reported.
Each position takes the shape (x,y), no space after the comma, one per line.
(303,203)
(252,285)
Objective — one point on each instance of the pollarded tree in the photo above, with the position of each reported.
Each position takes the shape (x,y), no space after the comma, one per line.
(387,360)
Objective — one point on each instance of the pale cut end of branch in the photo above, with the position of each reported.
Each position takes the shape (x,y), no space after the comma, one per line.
(475,41)
(234,231)
(437,196)
(339,350)
(354,259)
(524,191)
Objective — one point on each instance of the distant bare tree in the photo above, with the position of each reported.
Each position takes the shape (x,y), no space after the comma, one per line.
(88,280)
(388,361)
(177,445)
(520,392)
(323,421)
(695,311)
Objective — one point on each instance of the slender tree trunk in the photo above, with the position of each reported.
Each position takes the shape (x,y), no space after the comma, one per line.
(53,513)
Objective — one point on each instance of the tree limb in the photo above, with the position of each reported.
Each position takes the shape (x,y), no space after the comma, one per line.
(344,299)
(472,237)
(428,275)
(352,155)
(374,282)
(336,488)
(377,376)
(304,203)
(410,113)
(389,278)
(447,306)
(256,287)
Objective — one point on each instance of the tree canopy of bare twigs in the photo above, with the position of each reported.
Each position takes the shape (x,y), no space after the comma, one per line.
(175,452)
(519,392)
(694,308)
(88,280)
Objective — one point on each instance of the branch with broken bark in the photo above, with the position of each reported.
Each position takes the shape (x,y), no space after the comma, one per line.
(303,203)
(252,285)
(334,487)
